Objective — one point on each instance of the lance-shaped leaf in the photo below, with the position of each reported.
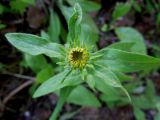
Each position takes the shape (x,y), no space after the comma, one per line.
(107,76)
(125,46)
(110,78)
(127,34)
(36,63)
(126,61)
(74,22)
(58,81)
(139,114)
(34,45)
(82,96)
(120,10)
(88,6)
(54,27)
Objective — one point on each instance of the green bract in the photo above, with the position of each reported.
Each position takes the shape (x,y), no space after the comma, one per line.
(81,64)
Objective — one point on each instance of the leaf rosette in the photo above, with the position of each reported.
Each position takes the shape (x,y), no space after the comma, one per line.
(82,64)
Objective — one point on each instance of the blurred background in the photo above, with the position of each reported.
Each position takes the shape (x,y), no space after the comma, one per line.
(107,22)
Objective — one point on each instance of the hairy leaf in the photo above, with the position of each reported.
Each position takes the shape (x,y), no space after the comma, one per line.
(82,96)
(74,22)
(58,81)
(120,10)
(127,34)
(126,61)
(34,45)
(54,27)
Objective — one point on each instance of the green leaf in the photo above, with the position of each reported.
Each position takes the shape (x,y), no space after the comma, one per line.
(36,63)
(90,81)
(105,88)
(1,66)
(1,9)
(45,74)
(113,101)
(2,26)
(139,114)
(157,116)
(63,34)
(71,25)
(89,31)
(137,6)
(121,9)
(110,78)
(90,6)
(51,85)
(111,95)
(34,45)
(142,102)
(158,20)
(158,104)
(18,6)
(150,91)
(78,9)
(64,93)
(125,46)
(66,11)
(109,98)
(149,6)
(127,34)
(45,35)
(123,77)
(63,79)
(54,27)
(30,2)
(82,96)
(131,87)
(123,61)
(74,22)
(105,28)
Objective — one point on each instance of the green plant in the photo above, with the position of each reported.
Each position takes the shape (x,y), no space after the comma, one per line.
(2,26)
(121,9)
(16,6)
(58,33)
(102,70)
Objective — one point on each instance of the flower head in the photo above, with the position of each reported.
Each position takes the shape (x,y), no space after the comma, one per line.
(78,57)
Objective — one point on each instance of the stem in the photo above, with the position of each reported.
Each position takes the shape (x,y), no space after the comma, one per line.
(64,93)
(57,110)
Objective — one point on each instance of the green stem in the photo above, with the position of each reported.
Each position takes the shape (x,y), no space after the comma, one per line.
(57,109)
(64,93)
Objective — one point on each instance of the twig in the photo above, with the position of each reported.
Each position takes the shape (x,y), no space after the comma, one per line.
(18,75)
(29,81)
(15,91)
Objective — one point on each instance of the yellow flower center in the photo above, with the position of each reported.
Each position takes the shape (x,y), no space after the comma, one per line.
(78,57)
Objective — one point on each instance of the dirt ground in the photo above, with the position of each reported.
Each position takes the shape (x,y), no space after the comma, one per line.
(22,106)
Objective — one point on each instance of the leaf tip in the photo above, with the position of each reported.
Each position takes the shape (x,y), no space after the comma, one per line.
(7,35)
(35,95)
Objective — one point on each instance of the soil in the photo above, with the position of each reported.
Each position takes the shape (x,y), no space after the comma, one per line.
(22,106)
